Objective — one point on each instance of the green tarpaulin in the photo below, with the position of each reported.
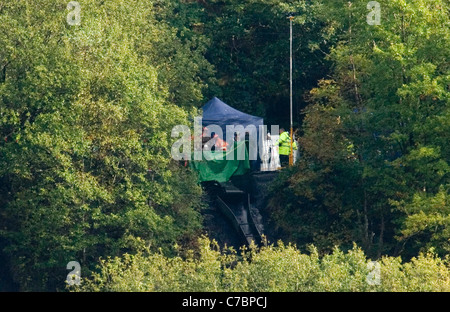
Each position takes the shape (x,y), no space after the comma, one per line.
(215,166)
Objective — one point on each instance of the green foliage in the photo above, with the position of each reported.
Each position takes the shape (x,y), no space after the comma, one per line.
(281,268)
(86,114)
(85,121)
(427,221)
(375,134)
(250,52)
(179,54)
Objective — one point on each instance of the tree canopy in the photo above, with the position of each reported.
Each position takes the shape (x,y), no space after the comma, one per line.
(87,110)
(86,119)
(374,137)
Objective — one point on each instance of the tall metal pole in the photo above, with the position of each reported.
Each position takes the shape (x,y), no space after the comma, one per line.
(291,153)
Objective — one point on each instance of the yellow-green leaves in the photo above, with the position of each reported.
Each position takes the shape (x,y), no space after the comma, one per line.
(281,268)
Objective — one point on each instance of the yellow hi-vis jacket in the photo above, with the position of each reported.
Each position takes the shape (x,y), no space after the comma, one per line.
(285,144)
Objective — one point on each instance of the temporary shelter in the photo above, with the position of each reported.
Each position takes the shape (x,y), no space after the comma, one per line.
(221,114)
(216,112)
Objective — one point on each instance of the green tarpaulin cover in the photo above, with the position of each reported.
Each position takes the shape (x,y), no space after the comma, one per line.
(214,165)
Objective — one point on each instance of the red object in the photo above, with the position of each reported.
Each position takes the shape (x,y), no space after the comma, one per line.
(219,143)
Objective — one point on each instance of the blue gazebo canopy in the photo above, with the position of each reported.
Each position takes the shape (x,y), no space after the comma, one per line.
(218,113)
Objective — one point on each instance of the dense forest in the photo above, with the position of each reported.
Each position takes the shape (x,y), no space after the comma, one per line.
(89,94)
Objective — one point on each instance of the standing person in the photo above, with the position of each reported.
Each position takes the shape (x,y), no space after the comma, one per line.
(284,143)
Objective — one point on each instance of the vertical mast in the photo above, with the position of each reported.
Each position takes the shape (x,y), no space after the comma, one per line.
(291,153)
